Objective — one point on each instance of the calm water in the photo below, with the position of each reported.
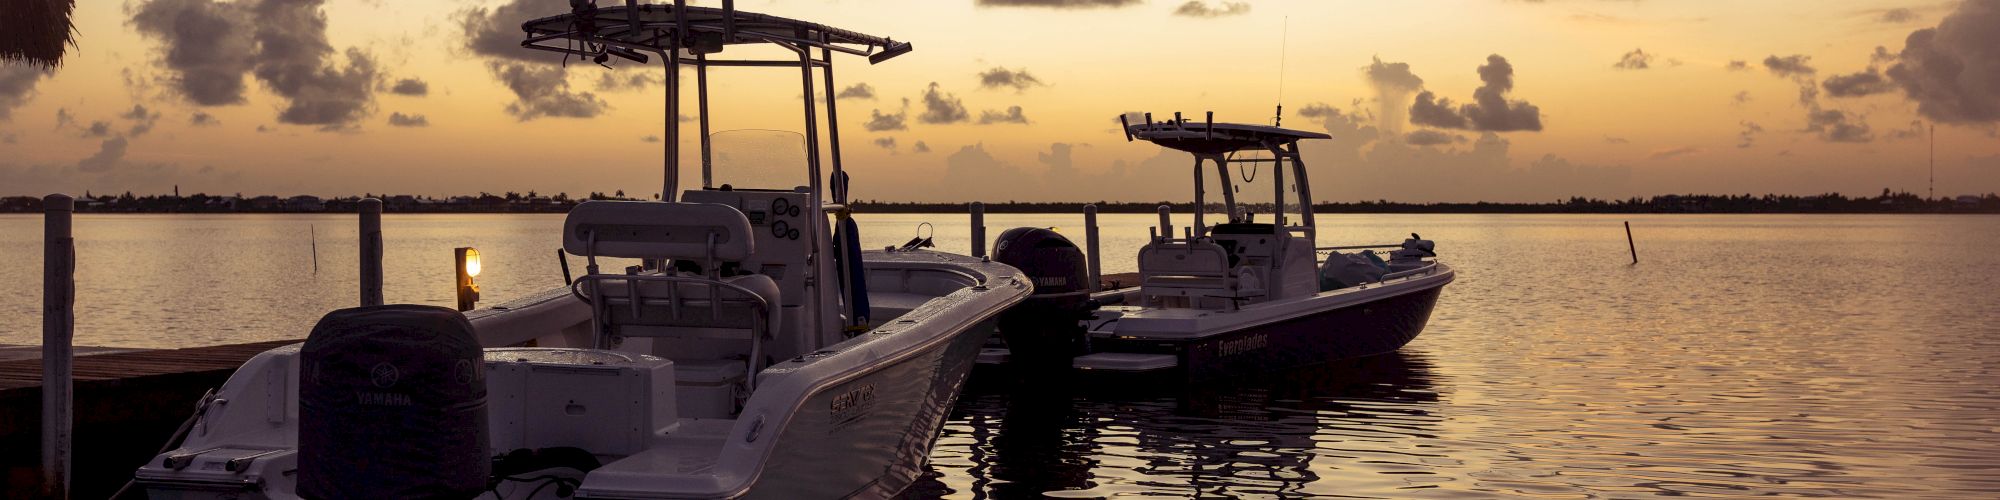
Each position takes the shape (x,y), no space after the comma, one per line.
(1832,356)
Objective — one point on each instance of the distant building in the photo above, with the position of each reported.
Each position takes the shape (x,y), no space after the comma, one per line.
(305,203)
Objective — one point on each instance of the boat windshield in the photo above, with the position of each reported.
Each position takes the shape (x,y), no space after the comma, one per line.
(759,159)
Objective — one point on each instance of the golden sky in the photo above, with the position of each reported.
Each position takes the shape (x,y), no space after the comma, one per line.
(1733,97)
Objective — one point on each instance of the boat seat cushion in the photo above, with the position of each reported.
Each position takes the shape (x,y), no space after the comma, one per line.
(658,230)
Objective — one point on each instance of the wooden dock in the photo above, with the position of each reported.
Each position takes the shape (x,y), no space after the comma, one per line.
(128,402)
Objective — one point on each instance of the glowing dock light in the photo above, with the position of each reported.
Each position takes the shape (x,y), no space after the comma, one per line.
(468,267)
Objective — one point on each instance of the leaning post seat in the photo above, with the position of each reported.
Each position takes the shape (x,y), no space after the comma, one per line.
(710,306)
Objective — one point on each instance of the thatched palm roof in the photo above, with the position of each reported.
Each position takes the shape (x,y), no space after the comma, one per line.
(36,31)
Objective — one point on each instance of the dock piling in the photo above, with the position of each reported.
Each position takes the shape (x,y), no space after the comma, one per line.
(371,252)
(58,336)
(978,229)
(1629,245)
(1090,238)
(1166,222)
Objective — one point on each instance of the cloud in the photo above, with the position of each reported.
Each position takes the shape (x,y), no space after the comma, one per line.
(1748,137)
(650,138)
(543,91)
(63,118)
(210,45)
(1740,97)
(141,118)
(99,128)
(1000,77)
(411,120)
(1664,154)
(1317,110)
(1616,140)
(1834,125)
(17,86)
(1864,83)
(1012,115)
(920,147)
(857,91)
(1737,66)
(1790,66)
(888,143)
(1636,59)
(203,119)
(1427,137)
(109,154)
(1898,15)
(1490,109)
(1199,8)
(1393,84)
(9,138)
(411,87)
(618,81)
(1952,71)
(878,122)
(1914,130)
(942,108)
(496,31)
(1058,4)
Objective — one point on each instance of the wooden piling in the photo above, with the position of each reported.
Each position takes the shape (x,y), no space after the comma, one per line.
(1628,243)
(978,229)
(1090,238)
(58,335)
(371,252)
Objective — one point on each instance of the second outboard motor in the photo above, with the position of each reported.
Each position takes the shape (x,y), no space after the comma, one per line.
(392,404)
(1048,325)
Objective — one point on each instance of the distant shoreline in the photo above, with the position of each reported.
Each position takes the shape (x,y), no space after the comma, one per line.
(1887,203)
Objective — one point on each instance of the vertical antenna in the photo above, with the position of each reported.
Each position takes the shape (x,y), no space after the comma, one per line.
(1284,40)
(1933,135)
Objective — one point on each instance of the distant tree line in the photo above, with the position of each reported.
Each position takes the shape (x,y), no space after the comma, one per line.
(533,202)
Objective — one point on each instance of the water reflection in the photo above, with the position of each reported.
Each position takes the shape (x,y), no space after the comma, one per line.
(1029,435)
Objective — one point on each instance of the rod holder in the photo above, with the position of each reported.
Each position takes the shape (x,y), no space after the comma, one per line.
(371,252)
(978,229)
(58,336)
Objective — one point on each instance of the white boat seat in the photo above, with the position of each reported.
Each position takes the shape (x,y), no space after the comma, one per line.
(656,230)
(684,309)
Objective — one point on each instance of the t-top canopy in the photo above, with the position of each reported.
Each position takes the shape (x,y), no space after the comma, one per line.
(1208,138)
(650,26)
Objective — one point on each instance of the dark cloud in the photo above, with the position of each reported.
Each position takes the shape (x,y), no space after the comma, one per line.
(109,154)
(17,86)
(878,122)
(63,118)
(1881,55)
(1737,66)
(1898,15)
(1317,110)
(1952,71)
(888,143)
(543,91)
(1741,97)
(920,147)
(1748,137)
(1790,66)
(411,87)
(1858,84)
(1394,83)
(411,120)
(1490,110)
(99,128)
(141,118)
(1000,77)
(1913,131)
(1636,59)
(614,81)
(1428,137)
(1057,4)
(496,31)
(1199,8)
(650,138)
(210,45)
(1834,125)
(1664,154)
(857,91)
(941,108)
(203,119)
(1011,115)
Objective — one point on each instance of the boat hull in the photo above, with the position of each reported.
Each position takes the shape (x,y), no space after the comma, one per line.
(1351,331)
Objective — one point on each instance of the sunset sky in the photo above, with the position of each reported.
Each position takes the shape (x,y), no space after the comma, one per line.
(1018,99)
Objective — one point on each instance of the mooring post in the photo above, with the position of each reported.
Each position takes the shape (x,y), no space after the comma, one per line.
(371,252)
(978,229)
(1090,238)
(1628,242)
(58,331)
(1167,221)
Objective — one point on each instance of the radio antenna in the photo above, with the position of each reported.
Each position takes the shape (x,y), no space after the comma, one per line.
(1284,40)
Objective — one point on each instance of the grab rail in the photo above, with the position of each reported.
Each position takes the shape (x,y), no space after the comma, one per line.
(759,324)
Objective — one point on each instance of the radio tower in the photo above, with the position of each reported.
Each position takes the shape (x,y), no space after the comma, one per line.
(1933,135)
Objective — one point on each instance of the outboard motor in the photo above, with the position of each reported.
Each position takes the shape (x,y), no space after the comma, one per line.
(1048,325)
(392,404)
(1412,255)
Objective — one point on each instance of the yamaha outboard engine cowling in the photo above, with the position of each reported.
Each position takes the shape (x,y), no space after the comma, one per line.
(1047,326)
(392,404)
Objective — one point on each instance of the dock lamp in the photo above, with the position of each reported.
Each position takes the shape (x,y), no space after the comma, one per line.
(468,267)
